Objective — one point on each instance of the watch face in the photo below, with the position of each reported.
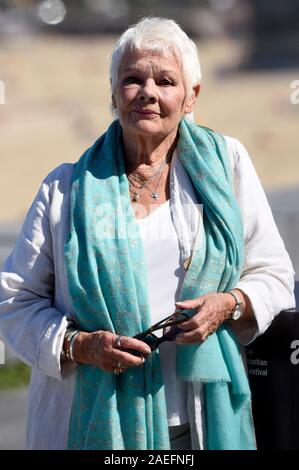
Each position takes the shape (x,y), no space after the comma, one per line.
(236,313)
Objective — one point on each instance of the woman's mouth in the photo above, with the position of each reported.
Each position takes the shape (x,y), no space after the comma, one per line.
(146,112)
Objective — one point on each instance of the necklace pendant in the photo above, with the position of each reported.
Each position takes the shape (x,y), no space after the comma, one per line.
(155,195)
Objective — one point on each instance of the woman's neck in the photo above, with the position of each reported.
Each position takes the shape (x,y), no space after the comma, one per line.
(144,152)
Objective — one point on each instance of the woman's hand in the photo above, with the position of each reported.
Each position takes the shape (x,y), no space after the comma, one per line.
(101,350)
(212,310)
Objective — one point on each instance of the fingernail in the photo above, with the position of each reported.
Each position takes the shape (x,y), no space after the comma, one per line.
(179,306)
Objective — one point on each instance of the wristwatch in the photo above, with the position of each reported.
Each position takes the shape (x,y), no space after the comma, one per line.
(237,310)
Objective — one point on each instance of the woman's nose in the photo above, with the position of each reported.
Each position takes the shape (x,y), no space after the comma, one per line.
(149,91)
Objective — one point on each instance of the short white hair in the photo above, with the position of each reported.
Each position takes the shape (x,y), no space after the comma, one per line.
(163,36)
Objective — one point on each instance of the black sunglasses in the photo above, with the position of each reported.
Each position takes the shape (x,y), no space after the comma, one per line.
(170,331)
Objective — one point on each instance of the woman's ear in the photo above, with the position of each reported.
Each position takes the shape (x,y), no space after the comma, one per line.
(113,101)
(192,100)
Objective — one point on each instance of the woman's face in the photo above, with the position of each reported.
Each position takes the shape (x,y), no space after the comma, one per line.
(150,94)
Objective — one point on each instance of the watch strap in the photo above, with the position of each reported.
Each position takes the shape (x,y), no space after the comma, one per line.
(236,312)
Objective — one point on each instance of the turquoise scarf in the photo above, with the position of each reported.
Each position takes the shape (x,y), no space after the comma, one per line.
(107,281)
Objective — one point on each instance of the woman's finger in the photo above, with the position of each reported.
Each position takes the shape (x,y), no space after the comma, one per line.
(198,335)
(121,352)
(125,358)
(127,343)
(108,341)
(192,323)
(191,304)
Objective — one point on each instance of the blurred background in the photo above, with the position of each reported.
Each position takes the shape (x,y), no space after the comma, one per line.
(55,97)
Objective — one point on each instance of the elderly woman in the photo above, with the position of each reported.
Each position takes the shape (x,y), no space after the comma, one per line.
(159,215)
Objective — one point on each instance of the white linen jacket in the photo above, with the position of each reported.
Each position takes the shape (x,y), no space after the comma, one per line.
(34,300)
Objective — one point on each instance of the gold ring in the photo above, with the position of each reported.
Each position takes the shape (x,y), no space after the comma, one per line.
(205,337)
(116,371)
(119,365)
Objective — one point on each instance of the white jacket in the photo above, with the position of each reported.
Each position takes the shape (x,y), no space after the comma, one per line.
(34,298)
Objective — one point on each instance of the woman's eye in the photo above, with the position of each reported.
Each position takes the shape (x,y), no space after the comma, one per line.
(166,82)
(130,80)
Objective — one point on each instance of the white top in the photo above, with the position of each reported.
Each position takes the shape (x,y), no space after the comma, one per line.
(34,297)
(165,276)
